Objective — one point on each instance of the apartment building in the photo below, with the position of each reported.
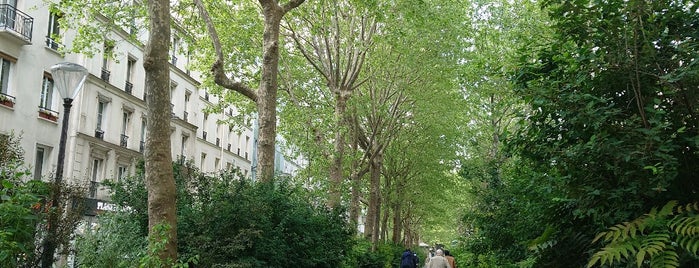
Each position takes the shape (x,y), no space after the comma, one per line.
(107,122)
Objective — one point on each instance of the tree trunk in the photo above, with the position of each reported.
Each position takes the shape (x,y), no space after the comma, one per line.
(383,230)
(374,199)
(397,221)
(267,94)
(159,176)
(355,179)
(336,170)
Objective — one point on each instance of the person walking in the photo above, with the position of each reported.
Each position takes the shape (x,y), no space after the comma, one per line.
(438,261)
(407,260)
(450,258)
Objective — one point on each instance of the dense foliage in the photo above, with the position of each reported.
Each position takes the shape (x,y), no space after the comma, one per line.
(225,221)
(25,207)
(608,131)
(20,206)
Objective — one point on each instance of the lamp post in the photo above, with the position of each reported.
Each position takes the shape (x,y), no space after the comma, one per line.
(68,79)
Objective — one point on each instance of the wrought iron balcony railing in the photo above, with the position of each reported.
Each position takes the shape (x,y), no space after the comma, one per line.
(105,75)
(51,43)
(124,141)
(16,21)
(128,87)
(99,134)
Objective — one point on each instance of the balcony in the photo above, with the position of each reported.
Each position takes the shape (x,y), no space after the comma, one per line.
(7,100)
(105,75)
(99,134)
(15,24)
(142,147)
(124,141)
(128,87)
(51,43)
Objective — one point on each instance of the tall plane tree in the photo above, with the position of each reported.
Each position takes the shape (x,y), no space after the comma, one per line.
(94,21)
(334,37)
(158,157)
(265,97)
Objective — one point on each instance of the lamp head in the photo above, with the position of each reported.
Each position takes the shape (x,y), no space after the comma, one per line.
(69,78)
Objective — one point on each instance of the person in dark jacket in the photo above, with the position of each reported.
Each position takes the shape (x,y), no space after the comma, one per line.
(407,259)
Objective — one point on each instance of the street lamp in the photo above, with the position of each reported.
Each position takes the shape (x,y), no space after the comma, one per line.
(68,78)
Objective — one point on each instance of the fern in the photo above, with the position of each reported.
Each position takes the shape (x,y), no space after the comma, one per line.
(654,238)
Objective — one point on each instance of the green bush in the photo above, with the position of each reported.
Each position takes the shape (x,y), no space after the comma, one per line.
(386,255)
(21,206)
(21,210)
(117,241)
(225,220)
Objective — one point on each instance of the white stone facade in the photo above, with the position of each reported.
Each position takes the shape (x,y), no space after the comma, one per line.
(107,119)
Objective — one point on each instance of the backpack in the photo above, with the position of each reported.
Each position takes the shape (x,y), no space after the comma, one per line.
(406,260)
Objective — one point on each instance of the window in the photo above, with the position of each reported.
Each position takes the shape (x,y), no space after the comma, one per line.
(173,87)
(130,66)
(187,95)
(95,176)
(218,132)
(203,125)
(183,147)
(108,50)
(175,46)
(5,66)
(142,145)
(125,127)
(203,159)
(46,93)
(125,122)
(101,107)
(247,142)
(40,160)
(54,30)
(121,172)
(189,60)
(217,162)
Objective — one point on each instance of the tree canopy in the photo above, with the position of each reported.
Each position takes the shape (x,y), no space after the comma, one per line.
(517,133)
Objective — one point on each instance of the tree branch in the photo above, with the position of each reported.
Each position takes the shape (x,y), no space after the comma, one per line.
(291,5)
(217,68)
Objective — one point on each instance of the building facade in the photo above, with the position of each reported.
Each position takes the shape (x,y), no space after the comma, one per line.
(106,133)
